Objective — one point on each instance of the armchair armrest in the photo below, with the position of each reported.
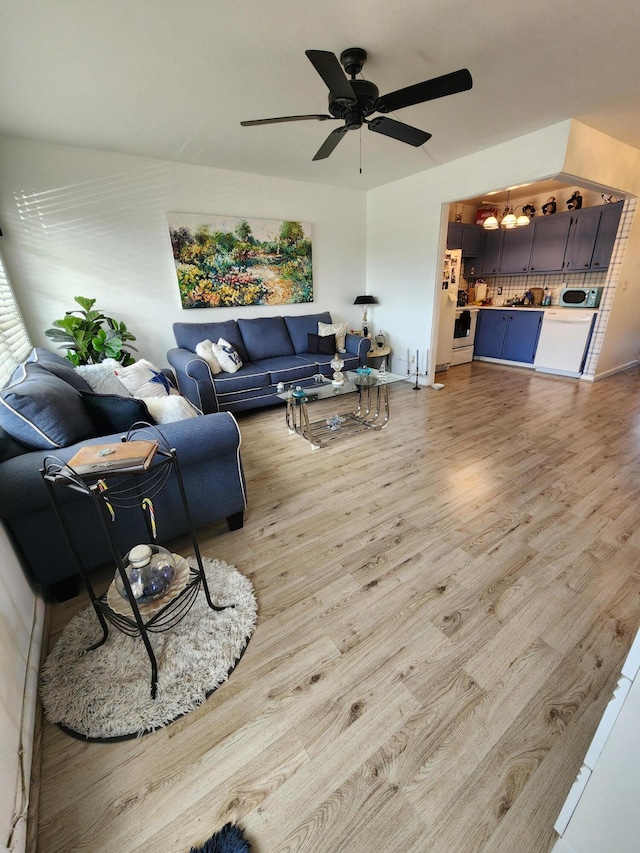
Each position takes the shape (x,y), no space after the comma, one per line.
(357,345)
(194,378)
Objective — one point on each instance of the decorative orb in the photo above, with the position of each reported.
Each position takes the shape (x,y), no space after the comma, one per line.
(150,570)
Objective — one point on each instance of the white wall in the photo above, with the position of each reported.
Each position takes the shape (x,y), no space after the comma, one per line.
(91,223)
(21,619)
(406,234)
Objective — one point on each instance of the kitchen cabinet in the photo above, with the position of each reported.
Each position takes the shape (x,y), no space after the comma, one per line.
(467,237)
(516,250)
(550,237)
(510,335)
(489,263)
(575,241)
(593,233)
(607,232)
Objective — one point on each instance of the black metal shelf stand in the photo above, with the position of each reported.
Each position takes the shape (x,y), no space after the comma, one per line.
(116,490)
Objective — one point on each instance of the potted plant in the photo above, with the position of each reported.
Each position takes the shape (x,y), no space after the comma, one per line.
(90,336)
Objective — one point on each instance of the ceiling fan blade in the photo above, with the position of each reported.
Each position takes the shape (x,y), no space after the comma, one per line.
(283,118)
(437,87)
(398,130)
(328,67)
(330,143)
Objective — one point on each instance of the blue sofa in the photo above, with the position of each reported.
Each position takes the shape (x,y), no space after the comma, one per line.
(272,350)
(42,413)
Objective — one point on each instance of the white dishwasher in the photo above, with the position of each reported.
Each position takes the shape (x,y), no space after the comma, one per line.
(564,339)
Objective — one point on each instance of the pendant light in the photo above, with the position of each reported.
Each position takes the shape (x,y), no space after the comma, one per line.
(508,221)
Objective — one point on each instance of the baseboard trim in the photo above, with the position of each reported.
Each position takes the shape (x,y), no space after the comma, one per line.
(613,371)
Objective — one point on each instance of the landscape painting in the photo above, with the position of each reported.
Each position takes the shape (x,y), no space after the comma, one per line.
(224,261)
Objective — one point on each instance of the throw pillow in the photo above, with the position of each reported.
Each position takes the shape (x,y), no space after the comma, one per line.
(142,379)
(337,329)
(205,350)
(101,378)
(42,411)
(114,413)
(59,366)
(228,358)
(166,410)
(321,344)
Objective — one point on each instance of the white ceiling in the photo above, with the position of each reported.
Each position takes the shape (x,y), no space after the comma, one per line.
(172,80)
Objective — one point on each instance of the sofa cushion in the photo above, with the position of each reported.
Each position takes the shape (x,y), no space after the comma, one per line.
(288,368)
(300,327)
(114,413)
(42,411)
(168,410)
(339,330)
(265,337)
(322,344)
(9,447)
(189,335)
(227,356)
(102,378)
(205,350)
(249,377)
(142,379)
(59,366)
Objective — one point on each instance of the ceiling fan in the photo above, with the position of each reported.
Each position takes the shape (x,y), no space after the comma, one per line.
(355,100)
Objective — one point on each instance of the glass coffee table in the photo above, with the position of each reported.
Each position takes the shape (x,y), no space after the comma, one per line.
(371,407)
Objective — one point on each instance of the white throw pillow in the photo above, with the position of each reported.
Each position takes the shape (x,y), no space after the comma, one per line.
(228,358)
(102,379)
(166,410)
(337,329)
(144,380)
(205,350)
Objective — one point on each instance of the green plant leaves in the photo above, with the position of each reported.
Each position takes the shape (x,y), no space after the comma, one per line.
(81,332)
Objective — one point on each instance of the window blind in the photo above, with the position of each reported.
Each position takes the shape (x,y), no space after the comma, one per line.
(14,341)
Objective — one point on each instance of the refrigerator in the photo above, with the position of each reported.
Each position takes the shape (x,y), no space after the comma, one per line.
(451,281)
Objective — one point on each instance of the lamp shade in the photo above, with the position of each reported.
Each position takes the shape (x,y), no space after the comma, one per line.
(365,299)
(491,223)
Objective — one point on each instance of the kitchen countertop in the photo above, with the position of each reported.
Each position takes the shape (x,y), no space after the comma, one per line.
(532,308)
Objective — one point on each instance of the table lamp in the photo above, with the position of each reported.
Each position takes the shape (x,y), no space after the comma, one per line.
(365,300)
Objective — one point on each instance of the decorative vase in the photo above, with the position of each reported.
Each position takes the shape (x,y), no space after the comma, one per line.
(338,376)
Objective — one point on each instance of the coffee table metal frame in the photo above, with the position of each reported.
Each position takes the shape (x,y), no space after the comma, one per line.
(371,412)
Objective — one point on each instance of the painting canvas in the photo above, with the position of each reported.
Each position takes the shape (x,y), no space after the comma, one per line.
(224,261)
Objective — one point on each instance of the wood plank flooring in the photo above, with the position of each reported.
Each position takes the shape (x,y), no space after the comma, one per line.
(444,607)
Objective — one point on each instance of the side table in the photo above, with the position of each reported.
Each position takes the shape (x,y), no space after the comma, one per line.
(113,493)
(376,354)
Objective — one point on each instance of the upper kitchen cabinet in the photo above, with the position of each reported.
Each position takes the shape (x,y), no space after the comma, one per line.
(593,233)
(609,221)
(489,263)
(550,235)
(516,250)
(465,236)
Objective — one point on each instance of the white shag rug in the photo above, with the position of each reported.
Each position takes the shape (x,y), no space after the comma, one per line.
(105,694)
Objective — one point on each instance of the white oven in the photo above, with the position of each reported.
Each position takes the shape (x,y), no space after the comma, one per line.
(464,334)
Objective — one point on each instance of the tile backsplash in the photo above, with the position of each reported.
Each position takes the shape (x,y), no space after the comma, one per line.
(514,286)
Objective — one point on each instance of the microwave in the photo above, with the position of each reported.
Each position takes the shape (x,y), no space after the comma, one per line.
(580,297)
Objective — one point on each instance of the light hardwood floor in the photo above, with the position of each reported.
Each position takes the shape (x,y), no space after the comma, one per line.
(444,607)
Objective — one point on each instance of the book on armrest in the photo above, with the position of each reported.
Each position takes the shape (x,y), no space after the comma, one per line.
(123,457)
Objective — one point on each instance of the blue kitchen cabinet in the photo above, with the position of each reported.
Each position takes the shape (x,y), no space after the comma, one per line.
(490,260)
(609,221)
(521,335)
(593,233)
(582,239)
(550,237)
(465,236)
(490,329)
(516,250)
(511,335)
